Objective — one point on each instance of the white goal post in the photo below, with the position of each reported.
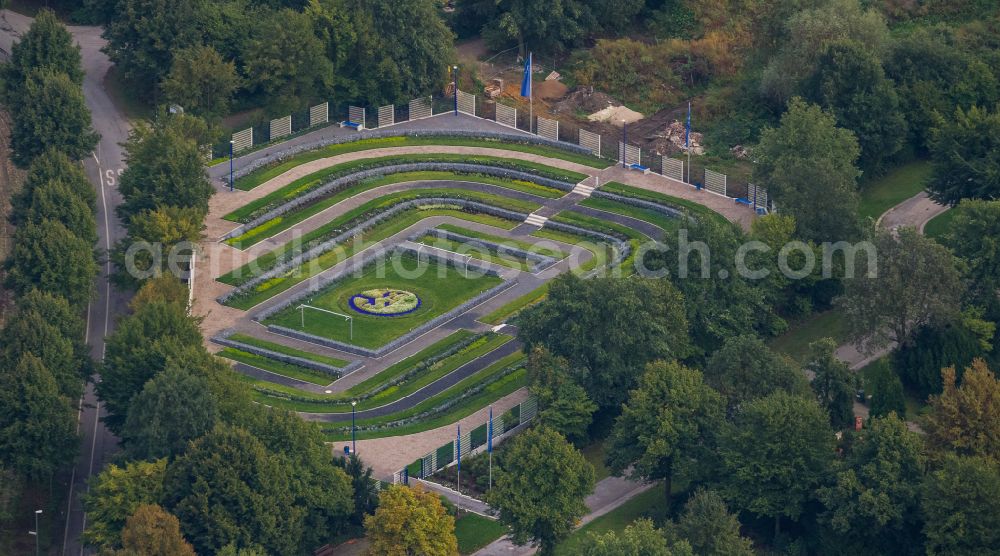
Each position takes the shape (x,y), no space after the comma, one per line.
(302,313)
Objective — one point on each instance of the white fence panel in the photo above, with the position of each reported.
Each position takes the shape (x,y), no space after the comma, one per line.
(631,154)
(591,141)
(356,114)
(673,168)
(319,114)
(506,115)
(421,108)
(715,182)
(466,103)
(281,127)
(548,128)
(243,140)
(386,115)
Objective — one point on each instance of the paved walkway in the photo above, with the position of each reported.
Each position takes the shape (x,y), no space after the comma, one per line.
(916,212)
(609,493)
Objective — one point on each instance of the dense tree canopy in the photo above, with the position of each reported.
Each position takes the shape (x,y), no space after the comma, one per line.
(667,427)
(961,506)
(201,82)
(607,330)
(806,159)
(833,382)
(709,528)
(965,149)
(46,45)
(540,484)
(50,257)
(640,537)
(973,238)
(410,521)
(563,404)
(874,505)
(152,531)
(115,494)
(745,369)
(914,282)
(966,419)
(51,113)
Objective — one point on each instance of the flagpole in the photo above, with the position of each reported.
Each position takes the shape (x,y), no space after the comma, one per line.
(489,446)
(531,94)
(687,142)
(458,451)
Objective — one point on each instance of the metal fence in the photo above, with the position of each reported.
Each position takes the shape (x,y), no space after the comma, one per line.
(505,115)
(242,140)
(715,182)
(472,442)
(547,128)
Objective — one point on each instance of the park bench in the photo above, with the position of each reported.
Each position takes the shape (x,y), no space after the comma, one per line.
(353,125)
(639,167)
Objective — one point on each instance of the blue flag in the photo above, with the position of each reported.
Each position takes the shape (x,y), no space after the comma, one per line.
(489,432)
(458,446)
(526,80)
(687,131)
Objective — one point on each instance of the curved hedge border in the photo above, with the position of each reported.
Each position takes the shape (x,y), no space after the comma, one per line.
(539,260)
(337,184)
(290,262)
(279,156)
(420,367)
(402,340)
(667,210)
(222,339)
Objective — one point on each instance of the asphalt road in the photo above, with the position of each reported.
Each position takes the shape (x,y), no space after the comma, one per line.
(97,444)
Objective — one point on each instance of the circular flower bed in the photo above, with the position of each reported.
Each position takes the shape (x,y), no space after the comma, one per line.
(385,302)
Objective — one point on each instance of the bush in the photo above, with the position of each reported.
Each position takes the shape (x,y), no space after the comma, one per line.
(886,390)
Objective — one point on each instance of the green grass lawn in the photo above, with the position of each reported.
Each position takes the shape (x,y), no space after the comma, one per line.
(475,531)
(795,342)
(439,287)
(265,174)
(646,504)
(595,453)
(511,308)
(279,348)
(937,227)
(277,367)
(895,187)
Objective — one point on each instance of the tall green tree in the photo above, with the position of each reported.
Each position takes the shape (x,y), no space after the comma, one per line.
(141,347)
(164,169)
(966,419)
(50,257)
(668,427)
(159,241)
(366,496)
(778,450)
(50,112)
(933,348)
(37,423)
(53,165)
(550,27)
(641,537)
(46,45)
(833,382)
(228,488)
(874,505)
(563,404)
(709,528)
(961,506)
(55,201)
(913,282)
(115,493)
(201,81)
(745,369)
(143,36)
(33,332)
(406,51)
(849,81)
(173,408)
(152,531)
(886,390)
(972,237)
(808,158)
(410,521)
(285,62)
(607,329)
(965,150)
(541,482)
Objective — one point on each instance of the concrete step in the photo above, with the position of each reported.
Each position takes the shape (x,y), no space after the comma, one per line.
(585,190)
(535,220)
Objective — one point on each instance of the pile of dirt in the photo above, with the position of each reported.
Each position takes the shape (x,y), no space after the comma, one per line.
(550,89)
(583,99)
(615,115)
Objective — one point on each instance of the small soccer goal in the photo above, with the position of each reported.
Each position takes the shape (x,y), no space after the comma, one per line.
(327,315)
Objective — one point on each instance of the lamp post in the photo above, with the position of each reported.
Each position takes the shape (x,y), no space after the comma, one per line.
(231,183)
(35,533)
(354,441)
(454,84)
(624,141)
